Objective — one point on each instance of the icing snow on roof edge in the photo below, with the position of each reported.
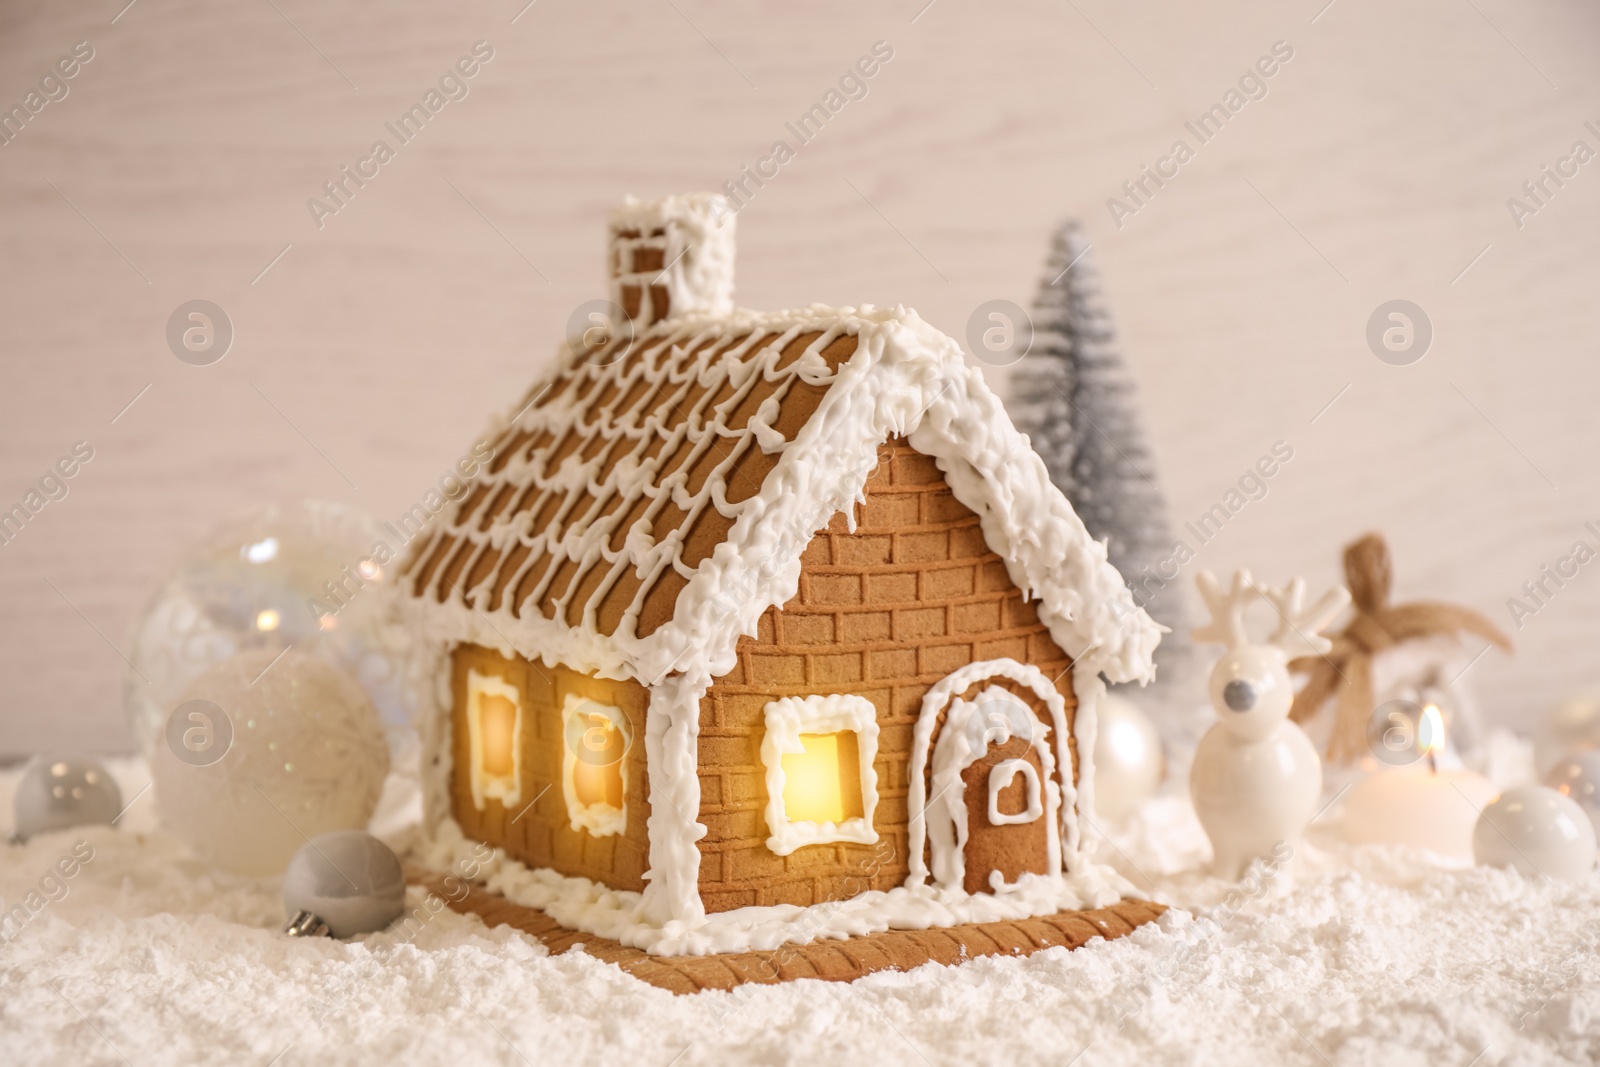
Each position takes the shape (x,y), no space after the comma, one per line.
(904,379)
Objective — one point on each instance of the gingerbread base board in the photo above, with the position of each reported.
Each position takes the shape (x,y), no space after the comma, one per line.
(829,961)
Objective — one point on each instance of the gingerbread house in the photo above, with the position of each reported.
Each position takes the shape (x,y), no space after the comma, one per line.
(764,627)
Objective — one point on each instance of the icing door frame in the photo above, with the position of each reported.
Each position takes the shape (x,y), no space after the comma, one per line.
(967,729)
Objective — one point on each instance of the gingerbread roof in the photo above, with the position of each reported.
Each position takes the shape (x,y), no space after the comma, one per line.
(646,504)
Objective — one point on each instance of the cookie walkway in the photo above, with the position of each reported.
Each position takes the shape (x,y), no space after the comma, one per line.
(832,961)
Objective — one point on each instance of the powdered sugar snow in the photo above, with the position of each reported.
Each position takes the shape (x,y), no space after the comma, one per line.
(1368,955)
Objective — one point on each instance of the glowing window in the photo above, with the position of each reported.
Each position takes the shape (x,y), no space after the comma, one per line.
(494,730)
(821,785)
(822,782)
(596,738)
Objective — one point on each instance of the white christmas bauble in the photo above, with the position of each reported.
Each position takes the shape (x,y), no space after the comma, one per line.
(1537,831)
(1571,726)
(1128,763)
(264,751)
(314,576)
(1578,777)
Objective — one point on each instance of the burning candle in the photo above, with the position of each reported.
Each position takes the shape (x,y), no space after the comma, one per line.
(1419,804)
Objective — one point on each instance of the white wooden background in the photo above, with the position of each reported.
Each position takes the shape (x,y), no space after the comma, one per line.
(1377,167)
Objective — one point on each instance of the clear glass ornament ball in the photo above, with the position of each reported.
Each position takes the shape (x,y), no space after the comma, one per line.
(305,575)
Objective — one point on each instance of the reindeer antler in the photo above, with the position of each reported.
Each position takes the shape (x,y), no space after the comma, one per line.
(1227,608)
(1297,633)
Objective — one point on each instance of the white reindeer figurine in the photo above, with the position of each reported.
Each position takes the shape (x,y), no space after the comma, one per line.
(1256,777)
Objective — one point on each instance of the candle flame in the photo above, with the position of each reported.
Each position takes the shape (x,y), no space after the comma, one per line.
(1430,731)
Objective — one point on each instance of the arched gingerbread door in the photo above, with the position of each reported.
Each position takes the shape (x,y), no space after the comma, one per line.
(1008,832)
(986,795)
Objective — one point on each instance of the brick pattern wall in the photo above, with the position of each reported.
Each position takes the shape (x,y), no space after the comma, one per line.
(885,612)
(542,835)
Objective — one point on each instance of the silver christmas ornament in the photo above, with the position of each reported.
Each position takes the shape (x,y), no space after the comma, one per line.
(1578,777)
(342,884)
(1537,831)
(1571,726)
(311,575)
(60,792)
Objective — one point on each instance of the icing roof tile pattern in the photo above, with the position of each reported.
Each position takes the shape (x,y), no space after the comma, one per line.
(622,473)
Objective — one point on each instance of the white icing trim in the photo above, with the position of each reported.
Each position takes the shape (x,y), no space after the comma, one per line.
(600,820)
(1088,688)
(672,734)
(432,680)
(1001,775)
(788,718)
(947,832)
(580,904)
(507,789)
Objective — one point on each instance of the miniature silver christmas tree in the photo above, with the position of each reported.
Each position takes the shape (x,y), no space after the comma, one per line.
(1074,397)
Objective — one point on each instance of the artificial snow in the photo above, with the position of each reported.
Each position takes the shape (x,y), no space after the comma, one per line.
(1359,956)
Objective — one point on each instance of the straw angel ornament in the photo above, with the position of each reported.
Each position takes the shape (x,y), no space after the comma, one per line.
(1256,777)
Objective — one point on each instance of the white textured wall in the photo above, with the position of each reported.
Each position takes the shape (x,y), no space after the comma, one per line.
(1377,167)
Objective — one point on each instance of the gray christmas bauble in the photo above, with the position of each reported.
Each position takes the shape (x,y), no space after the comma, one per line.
(60,792)
(349,880)
(1578,777)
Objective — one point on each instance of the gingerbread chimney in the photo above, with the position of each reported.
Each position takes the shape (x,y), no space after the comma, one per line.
(672,257)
